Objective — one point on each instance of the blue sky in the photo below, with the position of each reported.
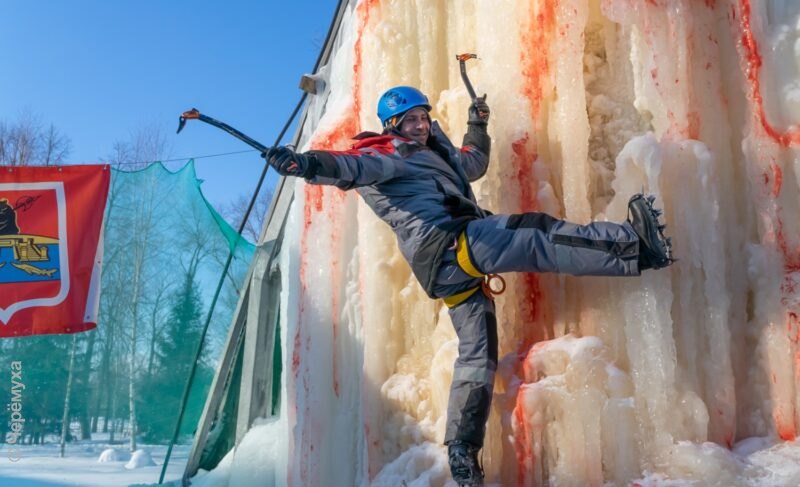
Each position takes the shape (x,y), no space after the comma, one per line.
(100,70)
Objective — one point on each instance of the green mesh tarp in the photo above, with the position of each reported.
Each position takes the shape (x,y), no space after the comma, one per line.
(164,252)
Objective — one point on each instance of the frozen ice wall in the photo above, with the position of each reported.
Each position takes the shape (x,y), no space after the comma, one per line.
(601,380)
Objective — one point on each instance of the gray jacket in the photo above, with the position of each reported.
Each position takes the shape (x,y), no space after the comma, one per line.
(421,191)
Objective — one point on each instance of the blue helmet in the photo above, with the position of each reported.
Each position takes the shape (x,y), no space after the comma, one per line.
(399,100)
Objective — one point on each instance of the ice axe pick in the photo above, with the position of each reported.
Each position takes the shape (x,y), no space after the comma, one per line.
(462,64)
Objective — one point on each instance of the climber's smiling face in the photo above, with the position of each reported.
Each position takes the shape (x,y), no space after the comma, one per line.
(416,125)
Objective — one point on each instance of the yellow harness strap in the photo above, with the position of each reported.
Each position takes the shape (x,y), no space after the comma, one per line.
(462,257)
(456,299)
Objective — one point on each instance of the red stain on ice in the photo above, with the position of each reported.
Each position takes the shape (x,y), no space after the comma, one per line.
(535,62)
(296,355)
(683,125)
(536,39)
(792,326)
(773,177)
(791,256)
(523,160)
(753,68)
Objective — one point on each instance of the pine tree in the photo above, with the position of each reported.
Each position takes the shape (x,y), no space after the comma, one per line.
(174,357)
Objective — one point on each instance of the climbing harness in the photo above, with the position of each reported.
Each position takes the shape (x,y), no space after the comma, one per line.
(465,263)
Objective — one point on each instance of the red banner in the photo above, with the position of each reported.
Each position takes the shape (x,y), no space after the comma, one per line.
(51,222)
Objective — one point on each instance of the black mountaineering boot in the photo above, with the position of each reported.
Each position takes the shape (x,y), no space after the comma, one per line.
(464,466)
(655,250)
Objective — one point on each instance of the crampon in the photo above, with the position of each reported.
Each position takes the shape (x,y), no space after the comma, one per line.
(655,249)
(464,465)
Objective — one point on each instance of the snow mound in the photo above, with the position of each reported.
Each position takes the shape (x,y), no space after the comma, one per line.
(219,476)
(139,459)
(112,455)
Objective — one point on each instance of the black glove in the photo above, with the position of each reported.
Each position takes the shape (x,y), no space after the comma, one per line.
(479,112)
(289,163)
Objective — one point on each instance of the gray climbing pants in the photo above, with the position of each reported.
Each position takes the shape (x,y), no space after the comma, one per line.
(528,242)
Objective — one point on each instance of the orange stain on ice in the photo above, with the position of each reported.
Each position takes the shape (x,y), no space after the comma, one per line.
(693,127)
(321,200)
(777,179)
(785,426)
(523,440)
(325,204)
(754,64)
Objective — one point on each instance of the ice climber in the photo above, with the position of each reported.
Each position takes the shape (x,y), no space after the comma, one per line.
(418,182)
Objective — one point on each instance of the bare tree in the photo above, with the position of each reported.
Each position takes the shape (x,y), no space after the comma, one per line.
(234,211)
(65,416)
(147,144)
(27,141)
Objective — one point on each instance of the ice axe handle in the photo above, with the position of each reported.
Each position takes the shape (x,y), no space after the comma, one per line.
(462,64)
(194,114)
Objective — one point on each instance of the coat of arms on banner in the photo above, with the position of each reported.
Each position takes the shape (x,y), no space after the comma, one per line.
(34,267)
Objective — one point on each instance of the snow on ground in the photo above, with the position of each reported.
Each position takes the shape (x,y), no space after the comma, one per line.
(754,462)
(760,462)
(40,465)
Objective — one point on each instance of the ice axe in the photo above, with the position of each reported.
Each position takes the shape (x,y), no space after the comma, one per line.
(462,64)
(195,114)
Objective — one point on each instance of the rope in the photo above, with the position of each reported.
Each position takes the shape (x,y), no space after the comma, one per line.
(182,159)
